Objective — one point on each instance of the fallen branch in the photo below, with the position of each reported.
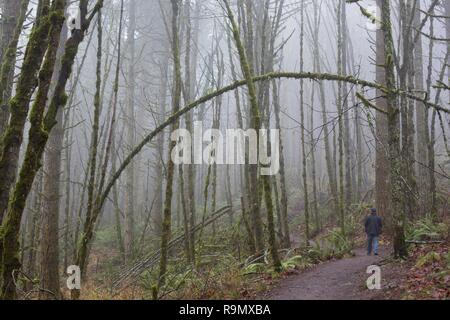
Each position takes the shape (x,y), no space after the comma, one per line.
(425,242)
(128,276)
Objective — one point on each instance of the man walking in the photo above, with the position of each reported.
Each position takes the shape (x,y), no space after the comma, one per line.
(373,226)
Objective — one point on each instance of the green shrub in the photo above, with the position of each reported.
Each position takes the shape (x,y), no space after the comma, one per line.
(254,268)
(428,259)
(297,262)
(427,229)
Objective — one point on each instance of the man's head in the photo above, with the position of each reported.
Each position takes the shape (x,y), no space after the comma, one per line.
(373,211)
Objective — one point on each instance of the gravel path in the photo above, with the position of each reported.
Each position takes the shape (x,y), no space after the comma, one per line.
(336,280)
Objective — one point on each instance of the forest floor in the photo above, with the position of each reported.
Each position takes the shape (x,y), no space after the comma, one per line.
(424,275)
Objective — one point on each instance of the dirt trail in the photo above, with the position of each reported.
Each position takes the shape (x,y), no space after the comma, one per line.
(336,280)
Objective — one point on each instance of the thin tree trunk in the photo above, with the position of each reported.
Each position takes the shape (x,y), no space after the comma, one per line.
(283,199)
(303,135)
(167,214)
(340,107)
(326,132)
(130,134)
(345,108)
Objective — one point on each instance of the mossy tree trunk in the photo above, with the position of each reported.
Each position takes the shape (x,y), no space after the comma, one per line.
(382,150)
(41,123)
(406,109)
(160,168)
(395,154)
(11,25)
(276,88)
(349,187)
(255,195)
(115,102)
(130,135)
(245,177)
(19,104)
(340,107)
(302,124)
(167,214)
(256,124)
(38,137)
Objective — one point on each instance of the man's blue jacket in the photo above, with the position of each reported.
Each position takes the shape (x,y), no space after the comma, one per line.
(373,226)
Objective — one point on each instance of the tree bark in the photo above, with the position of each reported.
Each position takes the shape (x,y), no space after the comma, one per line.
(395,154)
(51,198)
(38,138)
(130,134)
(382,163)
(19,104)
(303,135)
(167,214)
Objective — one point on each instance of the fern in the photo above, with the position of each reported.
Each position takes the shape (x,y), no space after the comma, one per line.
(254,268)
(428,259)
(297,262)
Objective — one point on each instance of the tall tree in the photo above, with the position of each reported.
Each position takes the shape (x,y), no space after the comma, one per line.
(302,124)
(395,155)
(331,171)
(422,120)
(130,134)
(340,107)
(51,198)
(176,101)
(382,151)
